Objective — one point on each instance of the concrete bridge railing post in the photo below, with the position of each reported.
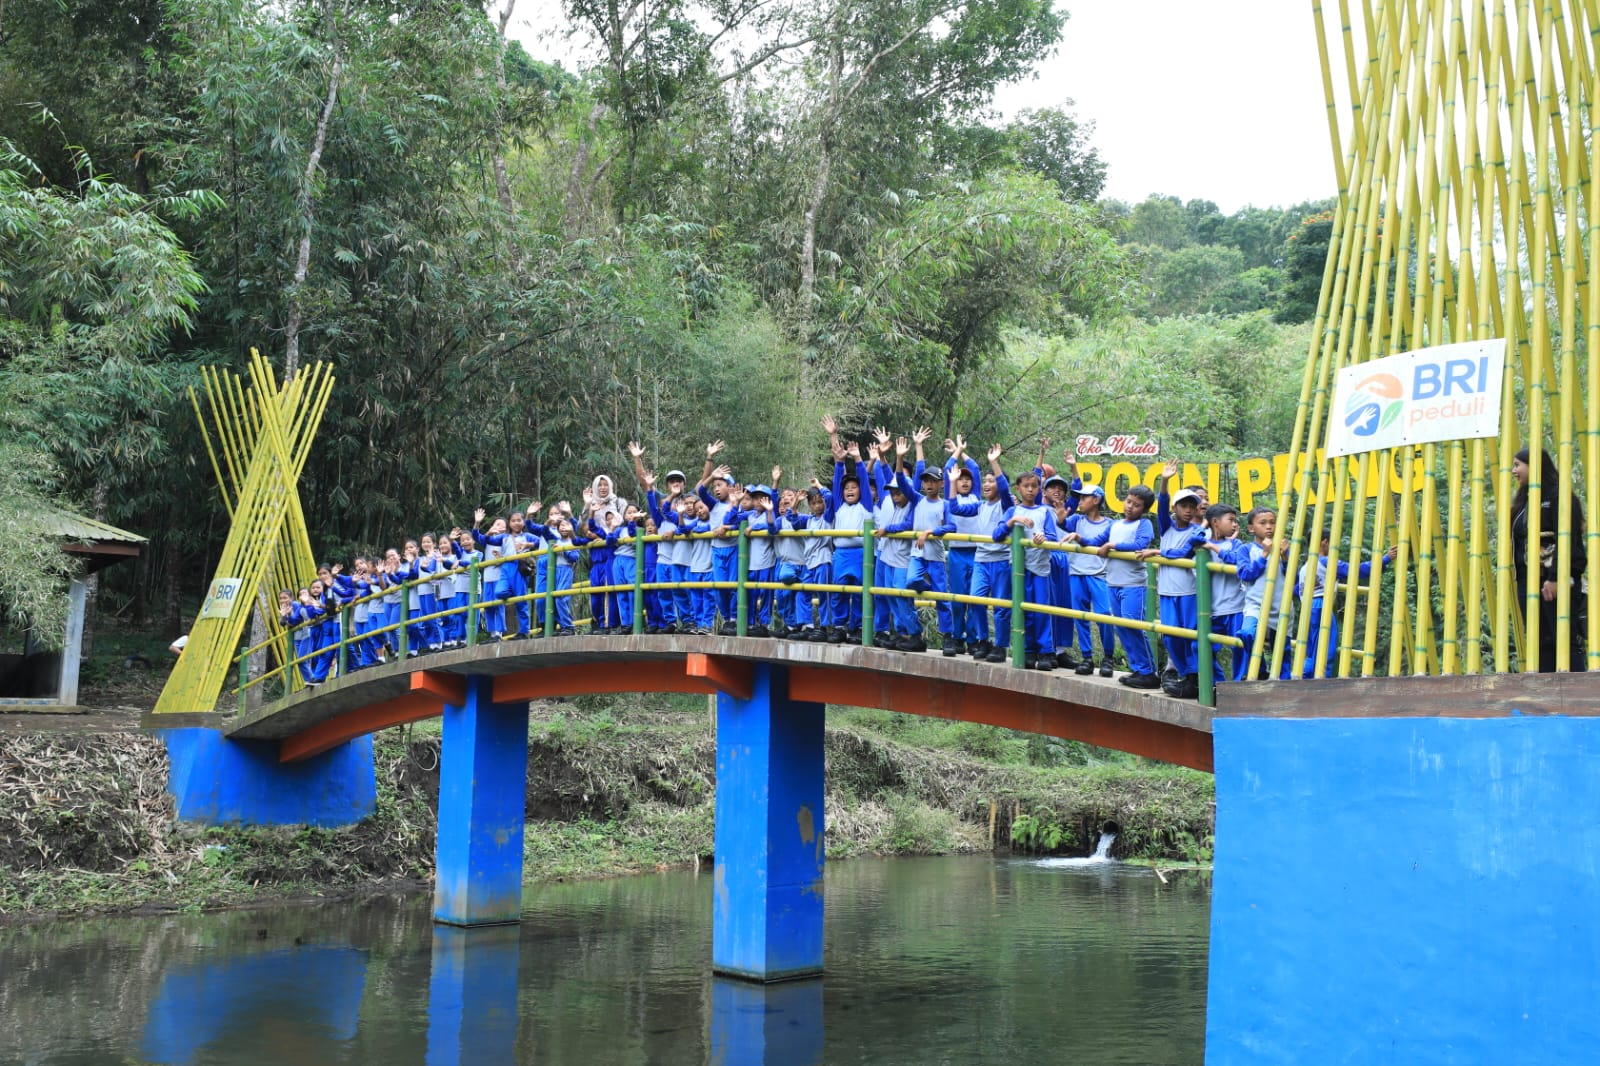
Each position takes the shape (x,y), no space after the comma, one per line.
(767,900)
(483,784)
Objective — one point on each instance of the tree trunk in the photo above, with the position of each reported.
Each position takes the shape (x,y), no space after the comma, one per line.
(502,184)
(302,264)
(808,240)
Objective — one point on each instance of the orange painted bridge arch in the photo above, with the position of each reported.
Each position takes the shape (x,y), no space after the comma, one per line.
(1093,710)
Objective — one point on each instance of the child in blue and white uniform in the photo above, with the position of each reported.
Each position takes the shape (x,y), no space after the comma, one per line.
(301,619)
(895,619)
(1261,526)
(466,555)
(1126,583)
(991,575)
(1181,534)
(853,495)
(700,565)
(565,558)
(1227,591)
(715,490)
(818,567)
(755,507)
(493,546)
(791,558)
(1038,521)
(1090,529)
(1317,580)
(931,520)
(961,477)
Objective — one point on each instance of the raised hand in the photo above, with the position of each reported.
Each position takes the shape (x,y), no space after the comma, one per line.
(1170,468)
(949,447)
(829,426)
(777,475)
(837,449)
(816,484)
(961,445)
(723,472)
(1069,461)
(534,506)
(635,449)
(566,508)
(477,516)
(920,434)
(901,446)
(853,449)
(995,452)
(648,480)
(881,435)
(713,448)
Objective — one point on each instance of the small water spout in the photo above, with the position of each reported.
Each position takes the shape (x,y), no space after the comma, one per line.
(1102,850)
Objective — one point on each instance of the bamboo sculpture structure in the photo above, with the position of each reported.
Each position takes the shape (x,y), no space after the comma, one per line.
(262,436)
(1466,211)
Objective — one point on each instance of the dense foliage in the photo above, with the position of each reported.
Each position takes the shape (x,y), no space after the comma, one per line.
(717,220)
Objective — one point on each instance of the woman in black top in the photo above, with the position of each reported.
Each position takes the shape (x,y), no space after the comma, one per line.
(1549,524)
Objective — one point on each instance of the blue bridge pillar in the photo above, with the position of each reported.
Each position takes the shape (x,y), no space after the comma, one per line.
(1416,889)
(218,781)
(483,782)
(767,913)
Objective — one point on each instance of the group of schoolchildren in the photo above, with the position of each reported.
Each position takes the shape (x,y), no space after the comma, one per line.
(695,541)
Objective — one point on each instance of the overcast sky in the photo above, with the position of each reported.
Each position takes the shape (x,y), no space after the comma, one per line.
(1201,99)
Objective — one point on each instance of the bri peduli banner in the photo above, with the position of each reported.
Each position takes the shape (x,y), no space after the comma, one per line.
(1448,392)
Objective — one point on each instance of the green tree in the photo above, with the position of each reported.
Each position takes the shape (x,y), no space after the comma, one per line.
(1303,269)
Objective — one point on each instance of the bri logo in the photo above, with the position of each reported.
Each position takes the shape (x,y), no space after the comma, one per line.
(1374,404)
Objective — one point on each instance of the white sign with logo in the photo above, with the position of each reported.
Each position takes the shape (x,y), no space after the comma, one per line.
(1449,392)
(220,599)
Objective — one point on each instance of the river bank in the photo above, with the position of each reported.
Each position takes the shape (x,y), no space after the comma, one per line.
(616,786)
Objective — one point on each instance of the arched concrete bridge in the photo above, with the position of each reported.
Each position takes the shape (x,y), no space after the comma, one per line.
(1090,709)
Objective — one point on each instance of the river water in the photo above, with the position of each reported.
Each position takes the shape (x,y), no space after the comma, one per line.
(929,961)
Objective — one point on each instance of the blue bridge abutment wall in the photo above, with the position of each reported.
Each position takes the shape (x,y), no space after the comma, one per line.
(483,786)
(768,893)
(1406,889)
(217,780)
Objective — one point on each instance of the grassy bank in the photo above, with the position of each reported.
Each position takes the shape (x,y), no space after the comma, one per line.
(616,785)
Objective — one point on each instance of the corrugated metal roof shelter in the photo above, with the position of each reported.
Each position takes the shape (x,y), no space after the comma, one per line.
(23,677)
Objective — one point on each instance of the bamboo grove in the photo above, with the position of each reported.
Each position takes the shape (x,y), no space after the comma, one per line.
(1466,211)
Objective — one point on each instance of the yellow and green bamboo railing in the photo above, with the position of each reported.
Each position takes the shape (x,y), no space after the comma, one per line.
(1467,210)
(743,586)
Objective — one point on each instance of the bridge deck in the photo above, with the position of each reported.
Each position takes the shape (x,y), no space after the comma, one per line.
(1092,709)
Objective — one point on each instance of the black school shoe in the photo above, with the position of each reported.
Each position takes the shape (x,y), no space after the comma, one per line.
(980,650)
(952,648)
(1191,687)
(1046,664)
(1105,667)
(912,643)
(995,655)
(757,631)
(1140,681)
(835,635)
(1084,668)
